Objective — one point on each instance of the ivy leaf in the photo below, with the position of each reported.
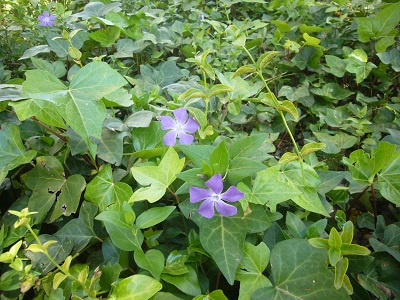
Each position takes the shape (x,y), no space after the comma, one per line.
(255,260)
(291,260)
(80,230)
(44,111)
(111,146)
(12,152)
(268,189)
(223,237)
(135,287)
(308,56)
(157,178)
(337,66)
(103,191)
(187,283)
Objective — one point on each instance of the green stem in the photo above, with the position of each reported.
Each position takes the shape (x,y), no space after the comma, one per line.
(276,103)
(46,253)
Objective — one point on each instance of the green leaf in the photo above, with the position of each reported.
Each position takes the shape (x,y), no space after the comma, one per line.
(219,89)
(247,146)
(187,283)
(223,237)
(153,216)
(332,91)
(352,249)
(197,153)
(266,58)
(157,178)
(319,243)
(58,251)
(94,81)
(254,262)
(288,157)
(316,229)
(348,232)
(360,68)
(295,225)
(103,191)
(43,85)
(139,119)
(291,260)
(311,148)
(242,167)
(219,159)
(289,107)
(268,189)
(135,287)
(308,56)
(214,295)
(124,235)
(106,37)
(152,261)
(192,93)
(340,272)
(111,146)
(389,181)
(57,68)
(244,70)
(391,58)
(12,152)
(44,111)
(335,240)
(79,231)
(337,66)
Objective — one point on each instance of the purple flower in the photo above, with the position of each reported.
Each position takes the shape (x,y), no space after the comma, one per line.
(46,19)
(213,197)
(179,127)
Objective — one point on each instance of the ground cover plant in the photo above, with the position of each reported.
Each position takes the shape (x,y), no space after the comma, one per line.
(199,149)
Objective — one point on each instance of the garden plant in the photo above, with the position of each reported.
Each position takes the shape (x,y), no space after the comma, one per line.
(195,149)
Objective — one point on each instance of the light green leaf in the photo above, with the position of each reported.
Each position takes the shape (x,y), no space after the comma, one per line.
(153,216)
(337,66)
(295,225)
(12,152)
(311,148)
(106,37)
(291,260)
(103,191)
(187,283)
(44,111)
(268,189)
(340,272)
(43,85)
(389,181)
(139,119)
(94,81)
(247,146)
(56,68)
(266,58)
(255,260)
(152,261)
(219,89)
(219,159)
(34,51)
(244,70)
(136,287)
(289,107)
(111,146)
(197,153)
(157,178)
(192,93)
(124,235)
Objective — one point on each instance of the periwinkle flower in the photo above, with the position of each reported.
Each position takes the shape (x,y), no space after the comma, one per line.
(180,127)
(214,197)
(46,19)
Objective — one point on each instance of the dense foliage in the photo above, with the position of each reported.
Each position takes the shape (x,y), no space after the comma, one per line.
(199,149)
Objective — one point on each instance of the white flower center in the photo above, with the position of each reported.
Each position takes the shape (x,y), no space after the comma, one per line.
(216,197)
(46,19)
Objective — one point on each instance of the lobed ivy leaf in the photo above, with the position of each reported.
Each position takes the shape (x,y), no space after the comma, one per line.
(157,179)
(291,261)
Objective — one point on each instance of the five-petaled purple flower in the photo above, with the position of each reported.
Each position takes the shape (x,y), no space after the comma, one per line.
(46,19)
(181,127)
(215,197)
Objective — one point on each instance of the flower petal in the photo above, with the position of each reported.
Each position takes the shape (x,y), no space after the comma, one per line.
(225,209)
(52,17)
(50,23)
(181,115)
(206,209)
(191,126)
(215,183)
(184,138)
(232,195)
(197,194)
(167,123)
(170,138)
(41,18)
(43,23)
(46,14)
